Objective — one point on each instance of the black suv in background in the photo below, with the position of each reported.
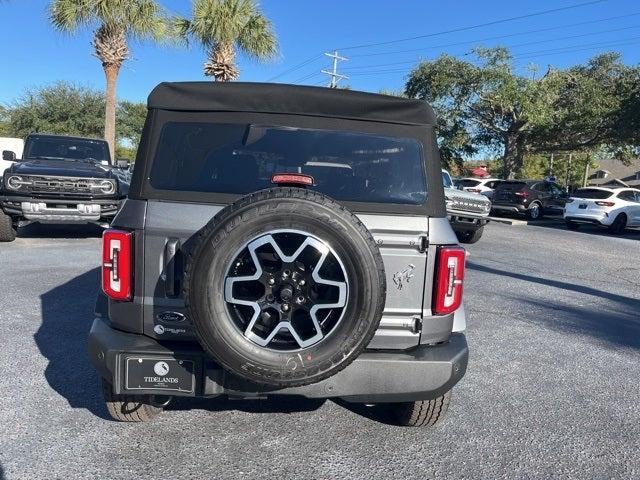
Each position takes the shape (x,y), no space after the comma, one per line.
(61,179)
(533,198)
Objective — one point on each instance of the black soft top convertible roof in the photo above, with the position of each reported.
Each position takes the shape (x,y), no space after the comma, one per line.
(289,99)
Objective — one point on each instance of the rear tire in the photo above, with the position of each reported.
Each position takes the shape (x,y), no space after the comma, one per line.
(619,224)
(422,413)
(130,408)
(534,212)
(7,231)
(470,236)
(572,225)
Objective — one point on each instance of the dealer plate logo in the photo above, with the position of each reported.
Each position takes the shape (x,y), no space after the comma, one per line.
(161,368)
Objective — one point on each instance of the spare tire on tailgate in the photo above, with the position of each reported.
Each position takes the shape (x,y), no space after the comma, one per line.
(285,287)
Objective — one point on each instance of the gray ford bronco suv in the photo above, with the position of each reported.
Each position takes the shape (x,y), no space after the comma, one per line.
(282,241)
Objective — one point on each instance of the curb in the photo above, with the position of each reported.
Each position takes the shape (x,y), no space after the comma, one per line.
(524,223)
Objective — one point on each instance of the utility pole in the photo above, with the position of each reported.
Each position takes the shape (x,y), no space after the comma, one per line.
(335,76)
(551,165)
(568,180)
(585,178)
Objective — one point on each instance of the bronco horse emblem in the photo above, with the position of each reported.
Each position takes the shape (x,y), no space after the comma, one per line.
(403,276)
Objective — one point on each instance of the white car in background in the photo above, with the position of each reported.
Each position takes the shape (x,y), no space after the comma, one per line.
(614,208)
(483,186)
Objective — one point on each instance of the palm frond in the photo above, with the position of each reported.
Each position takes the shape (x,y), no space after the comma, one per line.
(222,26)
(69,15)
(257,39)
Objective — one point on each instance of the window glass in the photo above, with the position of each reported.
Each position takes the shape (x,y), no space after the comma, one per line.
(556,189)
(627,195)
(593,193)
(446,180)
(541,187)
(61,148)
(238,159)
(468,182)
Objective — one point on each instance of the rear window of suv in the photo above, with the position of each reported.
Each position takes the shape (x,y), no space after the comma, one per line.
(238,159)
(592,193)
(512,186)
(469,183)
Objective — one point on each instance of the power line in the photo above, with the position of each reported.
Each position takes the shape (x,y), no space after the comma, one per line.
(351,69)
(497,37)
(524,55)
(306,77)
(471,27)
(296,67)
(578,48)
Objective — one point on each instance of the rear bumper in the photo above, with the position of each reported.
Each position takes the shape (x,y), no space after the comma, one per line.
(592,218)
(60,210)
(467,222)
(425,372)
(513,208)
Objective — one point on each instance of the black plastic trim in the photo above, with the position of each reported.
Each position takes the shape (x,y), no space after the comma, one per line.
(425,372)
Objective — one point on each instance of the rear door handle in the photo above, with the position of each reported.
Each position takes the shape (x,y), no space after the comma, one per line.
(170,251)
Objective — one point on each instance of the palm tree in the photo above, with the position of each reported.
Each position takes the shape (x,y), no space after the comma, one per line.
(224,26)
(116,21)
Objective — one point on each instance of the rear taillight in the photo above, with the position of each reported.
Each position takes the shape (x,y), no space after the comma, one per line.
(522,194)
(605,204)
(447,295)
(117,261)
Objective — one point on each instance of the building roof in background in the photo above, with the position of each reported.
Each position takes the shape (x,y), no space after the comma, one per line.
(480,171)
(612,172)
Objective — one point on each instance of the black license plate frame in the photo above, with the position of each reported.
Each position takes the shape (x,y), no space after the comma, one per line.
(145,372)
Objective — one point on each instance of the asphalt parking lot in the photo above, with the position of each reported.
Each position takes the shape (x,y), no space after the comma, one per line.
(551,391)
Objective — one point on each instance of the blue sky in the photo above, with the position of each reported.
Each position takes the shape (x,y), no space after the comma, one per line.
(33,54)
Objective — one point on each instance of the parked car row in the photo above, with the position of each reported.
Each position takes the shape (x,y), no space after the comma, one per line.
(613,208)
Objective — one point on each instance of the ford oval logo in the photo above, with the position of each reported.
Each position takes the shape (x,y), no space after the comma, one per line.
(170,317)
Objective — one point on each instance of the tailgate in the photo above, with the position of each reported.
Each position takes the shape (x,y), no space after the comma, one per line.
(506,192)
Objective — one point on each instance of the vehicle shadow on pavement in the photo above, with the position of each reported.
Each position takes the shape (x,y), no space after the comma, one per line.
(37,230)
(378,413)
(270,405)
(629,234)
(67,312)
(619,323)
(1,472)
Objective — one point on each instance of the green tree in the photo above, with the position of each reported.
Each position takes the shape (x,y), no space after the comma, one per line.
(67,109)
(60,108)
(116,21)
(223,27)
(131,117)
(5,127)
(587,109)
(486,105)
